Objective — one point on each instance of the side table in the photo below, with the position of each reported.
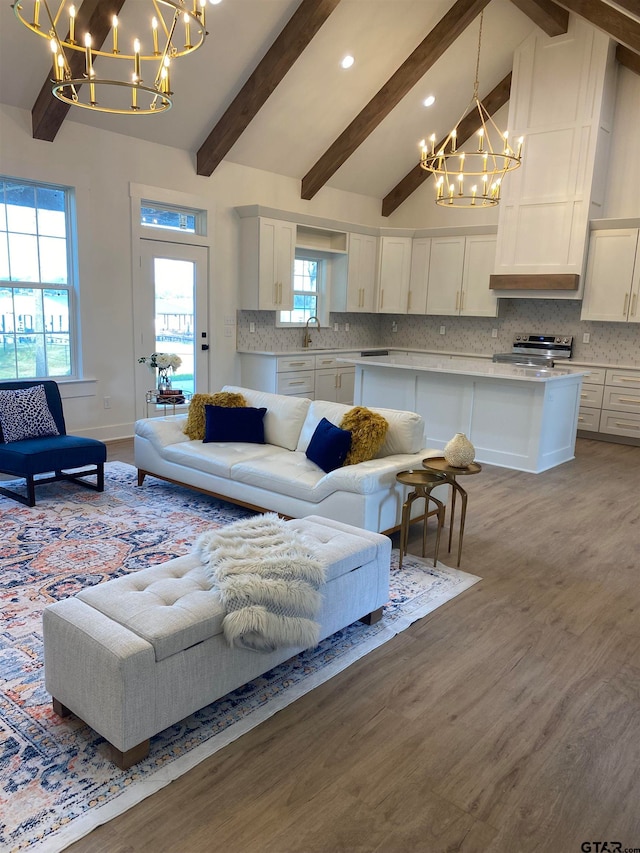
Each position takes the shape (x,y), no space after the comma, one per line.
(156,398)
(423,482)
(448,473)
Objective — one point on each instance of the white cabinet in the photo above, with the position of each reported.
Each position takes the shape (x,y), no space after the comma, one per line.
(359,294)
(394,275)
(459,271)
(266,264)
(621,403)
(419,277)
(334,381)
(591,394)
(613,276)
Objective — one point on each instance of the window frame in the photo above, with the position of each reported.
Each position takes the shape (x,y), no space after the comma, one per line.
(71,285)
(323,260)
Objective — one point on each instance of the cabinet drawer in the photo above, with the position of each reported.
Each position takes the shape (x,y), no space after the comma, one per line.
(596,375)
(589,419)
(325,361)
(620,423)
(621,400)
(623,378)
(591,395)
(296,362)
(301,382)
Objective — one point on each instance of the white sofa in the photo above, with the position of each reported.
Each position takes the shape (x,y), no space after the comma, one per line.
(138,653)
(277,476)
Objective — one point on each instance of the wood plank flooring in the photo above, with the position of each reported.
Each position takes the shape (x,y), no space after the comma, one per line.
(507,721)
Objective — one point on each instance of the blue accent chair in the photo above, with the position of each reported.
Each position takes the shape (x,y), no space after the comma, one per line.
(50,454)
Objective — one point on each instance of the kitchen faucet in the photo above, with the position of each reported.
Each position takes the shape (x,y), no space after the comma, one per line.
(306,342)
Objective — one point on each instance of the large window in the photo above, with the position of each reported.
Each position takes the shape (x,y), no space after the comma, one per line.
(35,281)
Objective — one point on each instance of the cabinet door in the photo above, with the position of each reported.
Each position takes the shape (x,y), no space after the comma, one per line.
(275,270)
(612,276)
(361,273)
(476,299)
(326,384)
(446,267)
(346,384)
(395,270)
(419,277)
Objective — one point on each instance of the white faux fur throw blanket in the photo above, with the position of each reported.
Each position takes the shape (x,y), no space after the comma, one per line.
(268,581)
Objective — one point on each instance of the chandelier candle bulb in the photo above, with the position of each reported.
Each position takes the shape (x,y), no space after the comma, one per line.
(134,94)
(87,46)
(203,6)
(432,139)
(36,14)
(474,190)
(453,141)
(461,184)
(114,25)
(154,28)
(481,141)
(519,154)
(72,25)
(136,61)
(167,62)
(187,31)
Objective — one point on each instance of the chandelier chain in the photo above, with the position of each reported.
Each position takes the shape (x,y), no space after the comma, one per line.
(476,85)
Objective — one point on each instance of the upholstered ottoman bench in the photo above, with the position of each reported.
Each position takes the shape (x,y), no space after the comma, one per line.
(138,653)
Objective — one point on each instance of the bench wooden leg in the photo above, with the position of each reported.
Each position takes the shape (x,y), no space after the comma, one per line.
(60,709)
(373,617)
(125,760)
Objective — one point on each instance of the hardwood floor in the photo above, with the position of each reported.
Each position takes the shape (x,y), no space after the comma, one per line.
(507,720)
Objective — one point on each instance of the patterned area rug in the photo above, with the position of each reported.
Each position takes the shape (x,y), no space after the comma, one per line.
(56,783)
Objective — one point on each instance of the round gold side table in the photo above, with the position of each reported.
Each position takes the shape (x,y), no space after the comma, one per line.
(448,473)
(423,482)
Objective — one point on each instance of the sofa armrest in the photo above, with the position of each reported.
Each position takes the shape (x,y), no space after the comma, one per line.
(162,432)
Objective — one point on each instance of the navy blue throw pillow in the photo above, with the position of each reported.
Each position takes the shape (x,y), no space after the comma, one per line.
(244,423)
(329,446)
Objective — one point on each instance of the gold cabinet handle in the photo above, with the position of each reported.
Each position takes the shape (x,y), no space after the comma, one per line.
(382,298)
(626,303)
(461,300)
(291,384)
(409,302)
(627,425)
(634,304)
(457,299)
(629,379)
(339,377)
(634,400)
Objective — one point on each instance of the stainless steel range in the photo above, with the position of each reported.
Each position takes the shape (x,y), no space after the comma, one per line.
(537,350)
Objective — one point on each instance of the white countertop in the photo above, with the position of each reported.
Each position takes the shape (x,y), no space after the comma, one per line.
(466,367)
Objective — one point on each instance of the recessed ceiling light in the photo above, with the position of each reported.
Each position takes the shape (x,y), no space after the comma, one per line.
(430,101)
(348,61)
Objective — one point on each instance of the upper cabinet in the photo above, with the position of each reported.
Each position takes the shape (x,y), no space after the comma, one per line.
(266,264)
(419,278)
(613,276)
(360,292)
(395,272)
(459,271)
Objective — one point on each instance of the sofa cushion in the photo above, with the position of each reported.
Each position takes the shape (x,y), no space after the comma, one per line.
(329,446)
(404,435)
(244,424)
(25,413)
(367,429)
(284,418)
(218,457)
(194,427)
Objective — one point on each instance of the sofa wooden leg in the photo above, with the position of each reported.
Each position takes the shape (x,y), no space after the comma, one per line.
(125,760)
(60,709)
(373,617)
(141,476)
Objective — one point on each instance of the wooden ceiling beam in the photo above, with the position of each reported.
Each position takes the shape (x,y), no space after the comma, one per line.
(619,26)
(629,58)
(48,112)
(496,98)
(285,50)
(442,36)
(551,18)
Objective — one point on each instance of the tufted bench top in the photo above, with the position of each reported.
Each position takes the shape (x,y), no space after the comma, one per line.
(173,607)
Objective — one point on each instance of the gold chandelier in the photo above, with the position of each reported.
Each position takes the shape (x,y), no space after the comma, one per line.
(471,178)
(175,30)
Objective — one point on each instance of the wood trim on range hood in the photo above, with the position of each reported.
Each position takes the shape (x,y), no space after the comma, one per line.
(556,281)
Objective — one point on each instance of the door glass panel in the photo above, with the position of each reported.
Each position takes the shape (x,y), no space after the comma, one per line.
(174,289)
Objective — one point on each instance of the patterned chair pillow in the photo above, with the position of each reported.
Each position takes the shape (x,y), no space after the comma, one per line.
(24,413)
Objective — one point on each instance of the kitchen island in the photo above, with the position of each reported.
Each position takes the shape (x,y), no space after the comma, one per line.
(517,417)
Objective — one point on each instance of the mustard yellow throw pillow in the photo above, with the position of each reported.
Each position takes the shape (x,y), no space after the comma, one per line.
(368,430)
(194,427)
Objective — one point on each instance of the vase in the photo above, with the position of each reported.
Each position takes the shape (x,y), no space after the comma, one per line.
(164,379)
(459,452)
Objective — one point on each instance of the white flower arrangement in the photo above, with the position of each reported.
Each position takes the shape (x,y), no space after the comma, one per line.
(161,361)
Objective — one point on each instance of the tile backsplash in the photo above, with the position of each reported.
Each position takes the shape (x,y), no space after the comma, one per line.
(609,343)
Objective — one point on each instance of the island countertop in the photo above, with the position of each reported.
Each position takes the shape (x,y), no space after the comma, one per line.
(466,367)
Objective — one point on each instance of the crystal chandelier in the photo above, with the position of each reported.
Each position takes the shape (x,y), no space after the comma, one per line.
(471,177)
(174,30)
